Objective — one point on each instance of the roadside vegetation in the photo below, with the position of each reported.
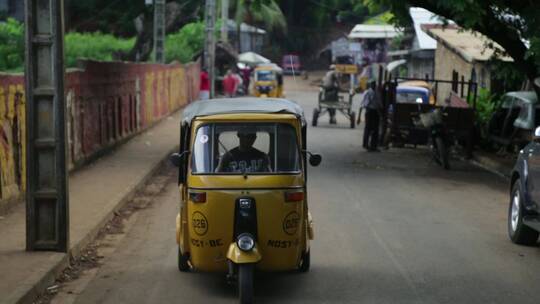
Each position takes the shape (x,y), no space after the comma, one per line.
(186,43)
(181,46)
(11,46)
(97,46)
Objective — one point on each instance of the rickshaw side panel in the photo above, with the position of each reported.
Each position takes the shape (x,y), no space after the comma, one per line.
(210,229)
(281,236)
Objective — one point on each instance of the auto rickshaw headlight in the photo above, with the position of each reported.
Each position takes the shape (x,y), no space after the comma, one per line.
(245,242)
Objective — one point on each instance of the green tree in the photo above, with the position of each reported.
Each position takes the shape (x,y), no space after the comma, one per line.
(185,43)
(254,12)
(11,45)
(513,24)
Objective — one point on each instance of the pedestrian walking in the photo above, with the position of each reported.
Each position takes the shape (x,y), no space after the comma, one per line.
(230,83)
(373,105)
(204,88)
(239,84)
(331,90)
(246,76)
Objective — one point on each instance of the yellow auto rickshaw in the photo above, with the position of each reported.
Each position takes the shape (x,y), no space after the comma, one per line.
(242,181)
(268,81)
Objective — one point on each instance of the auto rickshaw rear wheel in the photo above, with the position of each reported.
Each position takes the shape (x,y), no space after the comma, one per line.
(183,261)
(245,283)
(305,262)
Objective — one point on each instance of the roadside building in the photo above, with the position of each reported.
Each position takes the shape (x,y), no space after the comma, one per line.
(463,55)
(417,48)
(421,57)
(251,38)
(374,42)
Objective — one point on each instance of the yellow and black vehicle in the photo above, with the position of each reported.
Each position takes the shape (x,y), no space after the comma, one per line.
(268,81)
(242,181)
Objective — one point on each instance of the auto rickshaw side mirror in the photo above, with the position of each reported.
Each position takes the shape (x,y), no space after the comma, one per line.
(315,159)
(177,158)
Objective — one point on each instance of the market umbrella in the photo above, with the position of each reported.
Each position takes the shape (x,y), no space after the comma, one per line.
(252,58)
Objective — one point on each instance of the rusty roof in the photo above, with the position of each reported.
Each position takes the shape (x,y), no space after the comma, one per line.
(471,46)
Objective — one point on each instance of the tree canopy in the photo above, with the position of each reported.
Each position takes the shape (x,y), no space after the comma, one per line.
(513,24)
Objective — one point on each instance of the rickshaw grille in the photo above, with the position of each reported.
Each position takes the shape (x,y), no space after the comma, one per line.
(245,217)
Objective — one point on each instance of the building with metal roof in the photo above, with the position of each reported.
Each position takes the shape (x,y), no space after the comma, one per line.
(374,31)
(251,38)
(421,55)
(469,45)
(464,55)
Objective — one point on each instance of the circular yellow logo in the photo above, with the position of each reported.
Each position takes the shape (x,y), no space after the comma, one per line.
(291,223)
(199,223)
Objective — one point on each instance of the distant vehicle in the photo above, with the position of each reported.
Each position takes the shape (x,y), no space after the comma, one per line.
(523,216)
(268,81)
(291,64)
(410,91)
(334,102)
(407,94)
(514,120)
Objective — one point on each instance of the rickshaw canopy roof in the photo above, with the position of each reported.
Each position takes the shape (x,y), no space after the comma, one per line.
(250,105)
(412,89)
(415,83)
(269,67)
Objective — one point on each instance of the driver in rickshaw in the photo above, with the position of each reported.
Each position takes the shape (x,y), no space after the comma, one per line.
(244,158)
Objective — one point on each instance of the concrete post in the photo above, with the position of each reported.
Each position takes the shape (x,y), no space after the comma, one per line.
(47,212)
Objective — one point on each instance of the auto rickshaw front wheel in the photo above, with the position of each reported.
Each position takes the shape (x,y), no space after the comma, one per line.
(183,261)
(245,283)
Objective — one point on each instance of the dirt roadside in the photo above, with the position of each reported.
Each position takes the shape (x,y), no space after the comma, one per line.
(74,278)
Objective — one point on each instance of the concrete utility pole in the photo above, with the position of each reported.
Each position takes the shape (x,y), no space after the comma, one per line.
(224,20)
(47,212)
(210,43)
(159,31)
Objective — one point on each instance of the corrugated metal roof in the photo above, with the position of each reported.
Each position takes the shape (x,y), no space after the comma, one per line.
(363,31)
(421,16)
(469,45)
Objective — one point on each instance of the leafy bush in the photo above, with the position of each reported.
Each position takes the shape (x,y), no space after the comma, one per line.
(485,106)
(185,43)
(181,46)
(11,45)
(95,46)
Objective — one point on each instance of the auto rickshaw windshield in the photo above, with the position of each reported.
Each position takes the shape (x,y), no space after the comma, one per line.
(265,76)
(256,148)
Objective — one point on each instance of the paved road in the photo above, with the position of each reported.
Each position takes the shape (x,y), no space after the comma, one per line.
(391,227)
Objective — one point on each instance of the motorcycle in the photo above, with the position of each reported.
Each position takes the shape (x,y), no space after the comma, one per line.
(438,134)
